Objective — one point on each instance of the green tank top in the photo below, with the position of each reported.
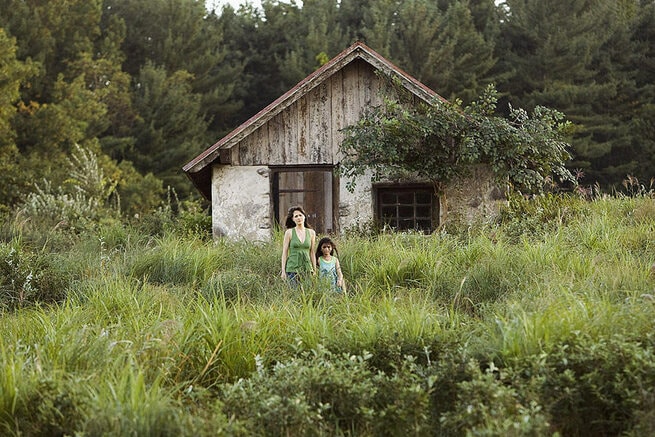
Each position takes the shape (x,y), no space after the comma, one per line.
(298,260)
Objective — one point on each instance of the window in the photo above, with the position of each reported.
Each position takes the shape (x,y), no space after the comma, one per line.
(407,207)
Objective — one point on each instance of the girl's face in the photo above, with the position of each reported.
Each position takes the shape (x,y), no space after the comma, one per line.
(298,217)
(326,248)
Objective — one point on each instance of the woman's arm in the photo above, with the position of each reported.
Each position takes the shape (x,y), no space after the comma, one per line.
(312,250)
(285,252)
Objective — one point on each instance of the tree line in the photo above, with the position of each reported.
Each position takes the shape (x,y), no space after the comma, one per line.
(147,85)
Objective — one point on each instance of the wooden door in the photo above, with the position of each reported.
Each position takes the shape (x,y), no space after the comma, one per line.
(313,190)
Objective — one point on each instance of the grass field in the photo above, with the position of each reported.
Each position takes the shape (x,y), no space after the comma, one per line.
(539,324)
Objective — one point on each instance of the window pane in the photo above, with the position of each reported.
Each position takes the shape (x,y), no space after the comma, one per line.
(406,208)
(406,198)
(389,211)
(423,197)
(388,198)
(406,224)
(406,212)
(392,223)
(423,211)
(423,225)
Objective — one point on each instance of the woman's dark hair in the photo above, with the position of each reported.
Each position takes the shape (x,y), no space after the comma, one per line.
(289,222)
(321,242)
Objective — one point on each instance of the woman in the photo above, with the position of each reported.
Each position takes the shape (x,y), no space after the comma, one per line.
(298,247)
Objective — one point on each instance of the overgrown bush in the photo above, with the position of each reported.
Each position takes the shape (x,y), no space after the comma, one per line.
(51,406)
(537,215)
(597,386)
(485,405)
(322,393)
(28,278)
(185,219)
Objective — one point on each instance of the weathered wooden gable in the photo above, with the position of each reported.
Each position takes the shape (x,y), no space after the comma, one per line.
(309,131)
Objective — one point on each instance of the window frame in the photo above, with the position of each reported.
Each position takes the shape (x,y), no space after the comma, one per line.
(380,189)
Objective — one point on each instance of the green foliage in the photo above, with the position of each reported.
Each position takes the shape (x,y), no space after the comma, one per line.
(150,85)
(12,72)
(81,203)
(595,386)
(440,142)
(440,45)
(50,406)
(171,127)
(318,392)
(584,59)
(485,405)
(175,263)
(186,218)
(539,215)
(28,278)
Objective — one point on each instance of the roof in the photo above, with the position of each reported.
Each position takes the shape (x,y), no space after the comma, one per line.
(199,168)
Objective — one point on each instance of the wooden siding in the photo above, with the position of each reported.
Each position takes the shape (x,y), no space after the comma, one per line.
(308,132)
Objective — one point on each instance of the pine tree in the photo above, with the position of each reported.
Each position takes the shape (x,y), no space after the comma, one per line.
(12,73)
(577,56)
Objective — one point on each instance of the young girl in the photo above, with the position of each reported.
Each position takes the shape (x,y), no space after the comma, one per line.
(328,264)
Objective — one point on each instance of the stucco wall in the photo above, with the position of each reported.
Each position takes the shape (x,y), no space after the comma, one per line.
(356,208)
(474,198)
(240,202)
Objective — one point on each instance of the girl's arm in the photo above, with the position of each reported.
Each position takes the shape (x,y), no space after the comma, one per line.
(340,282)
(312,250)
(285,252)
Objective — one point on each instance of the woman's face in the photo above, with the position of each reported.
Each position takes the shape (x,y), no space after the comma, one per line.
(298,217)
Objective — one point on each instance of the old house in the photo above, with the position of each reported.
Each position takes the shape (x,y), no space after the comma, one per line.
(285,155)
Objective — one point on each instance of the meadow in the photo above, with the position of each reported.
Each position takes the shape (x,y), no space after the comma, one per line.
(539,323)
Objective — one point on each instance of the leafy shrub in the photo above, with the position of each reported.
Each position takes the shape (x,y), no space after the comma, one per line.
(484,405)
(186,219)
(321,393)
(597,386)
(28,278)
(51,406)
(85,199)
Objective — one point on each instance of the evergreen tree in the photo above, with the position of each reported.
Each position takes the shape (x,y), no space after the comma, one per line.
(170,127)
(441,47)
(12,73)
(279,45)
(576,56)
(180,36)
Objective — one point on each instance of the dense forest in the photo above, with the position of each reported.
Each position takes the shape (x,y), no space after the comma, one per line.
(137,88)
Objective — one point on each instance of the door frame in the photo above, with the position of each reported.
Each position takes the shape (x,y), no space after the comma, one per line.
(275,193)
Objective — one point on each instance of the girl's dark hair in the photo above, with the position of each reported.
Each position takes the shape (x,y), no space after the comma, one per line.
(321,242)
(289,222)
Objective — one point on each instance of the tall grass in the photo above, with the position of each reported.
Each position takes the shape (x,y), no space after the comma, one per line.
(175,335)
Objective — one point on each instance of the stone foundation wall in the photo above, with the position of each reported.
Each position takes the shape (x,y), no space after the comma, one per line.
(473,199)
